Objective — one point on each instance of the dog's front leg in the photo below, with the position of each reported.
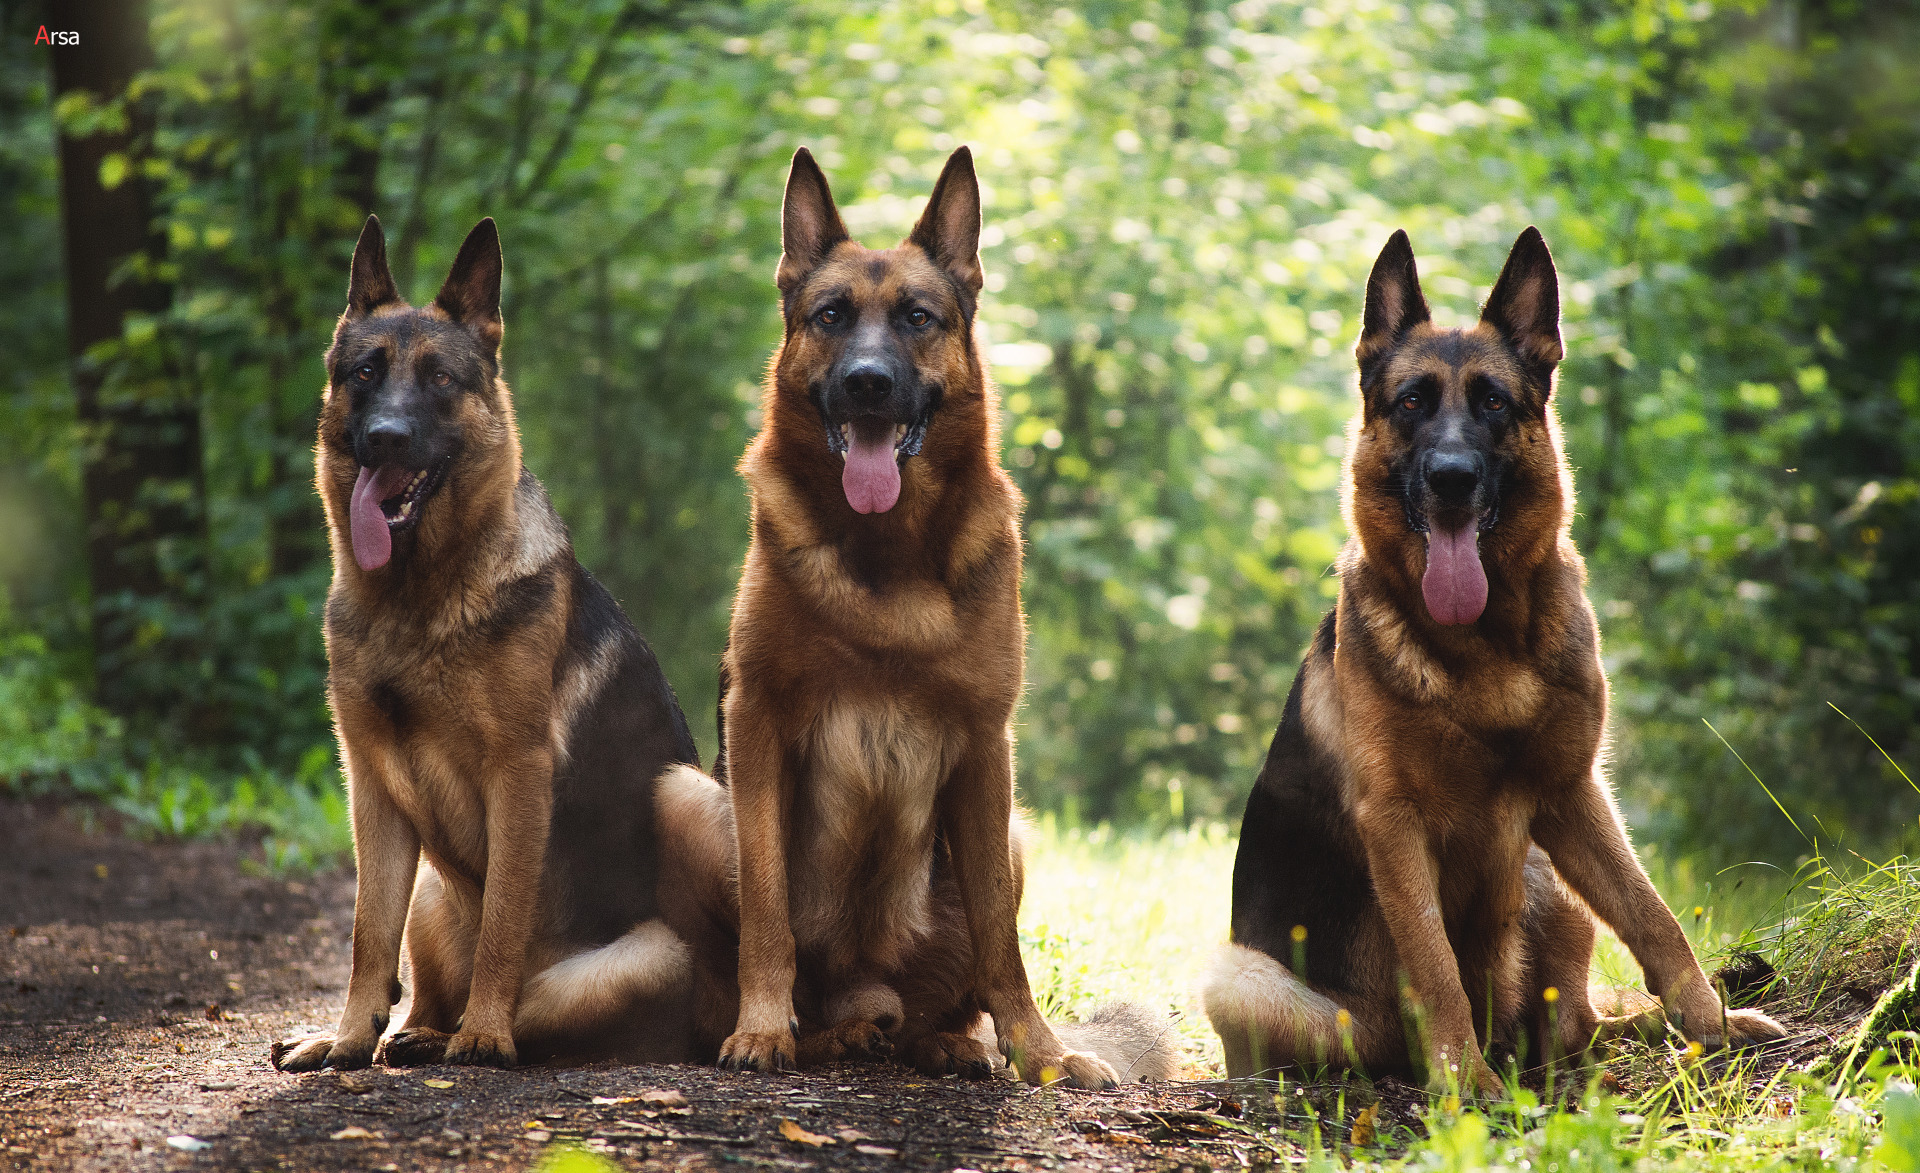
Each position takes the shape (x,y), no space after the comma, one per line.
(386,853)
(1406,883)
(758,780)
(976,808)
(518,792)
(1581,830)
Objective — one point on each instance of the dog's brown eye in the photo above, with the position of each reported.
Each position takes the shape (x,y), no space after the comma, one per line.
(919,317)
(828,316)
(364,374)
(1410,402)
(1495,403)
(441,378)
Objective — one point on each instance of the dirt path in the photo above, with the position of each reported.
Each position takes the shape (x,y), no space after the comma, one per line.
(141,983)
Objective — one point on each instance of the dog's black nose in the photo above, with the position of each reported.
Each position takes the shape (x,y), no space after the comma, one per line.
(869,384)
(389,440)
(1453,477)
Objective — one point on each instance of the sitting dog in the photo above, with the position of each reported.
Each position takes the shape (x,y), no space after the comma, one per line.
(1433,832)
(872,669)
(496,712)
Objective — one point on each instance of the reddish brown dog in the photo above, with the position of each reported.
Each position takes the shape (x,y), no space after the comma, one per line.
(1433,834)
(873,667)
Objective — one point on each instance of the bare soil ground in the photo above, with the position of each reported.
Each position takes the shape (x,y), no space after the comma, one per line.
(141,984)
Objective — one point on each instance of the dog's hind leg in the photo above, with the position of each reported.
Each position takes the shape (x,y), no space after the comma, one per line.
(635,994)
(440,961)
(860,1025)
(1267,1018)
(1559,935)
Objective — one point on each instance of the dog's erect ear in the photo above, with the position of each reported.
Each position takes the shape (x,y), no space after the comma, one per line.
(949,230)
(1394,303)
(1525,306)
(471,295)
(371,285)
(809,223)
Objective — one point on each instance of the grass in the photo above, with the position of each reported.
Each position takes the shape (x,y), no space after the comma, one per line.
(1117,915)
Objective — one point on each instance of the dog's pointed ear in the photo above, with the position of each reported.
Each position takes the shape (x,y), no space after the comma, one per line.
(371,285)
(1525,307)
(1394,303)
(949,230)
(471,295)
(810,225)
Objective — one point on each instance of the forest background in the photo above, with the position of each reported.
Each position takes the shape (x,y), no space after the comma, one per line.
(1182,202)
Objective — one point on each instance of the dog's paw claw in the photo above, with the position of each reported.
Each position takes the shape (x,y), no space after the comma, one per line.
(313,1052)
(758,1051)
(416,1046)
(477,1050)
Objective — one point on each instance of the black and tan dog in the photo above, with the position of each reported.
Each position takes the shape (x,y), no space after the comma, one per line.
(874,663)
(1433,832)
(495,710)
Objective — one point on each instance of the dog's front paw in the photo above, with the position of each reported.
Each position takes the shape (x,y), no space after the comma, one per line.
(416,1046)
(759,1051)
(312,1052)
(952,1054)
(469,1049)
(1747,1027)
(1469,1079)
(1075,1069)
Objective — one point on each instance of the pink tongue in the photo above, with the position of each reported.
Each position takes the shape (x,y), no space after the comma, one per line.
(872,476)
(372,540)
(1455,585)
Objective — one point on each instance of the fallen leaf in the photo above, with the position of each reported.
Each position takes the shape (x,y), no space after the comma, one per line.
(1363,1125)
(852,1135)
(874,1150)
(219,1085)
(187,1144)
(616,1099)
(663,1098)
(351,1084)
(539,1135)
(442,1084)
(353,1132)
(793,1132)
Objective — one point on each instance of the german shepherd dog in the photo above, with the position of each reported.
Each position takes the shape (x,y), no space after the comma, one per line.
(495,709)
(872,669)
(1433,832)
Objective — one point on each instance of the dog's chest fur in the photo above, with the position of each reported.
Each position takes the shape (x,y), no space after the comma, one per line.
(863,833)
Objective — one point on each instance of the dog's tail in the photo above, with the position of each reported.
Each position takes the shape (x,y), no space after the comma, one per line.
(1266,1017)
(1138,1043)
(594,991)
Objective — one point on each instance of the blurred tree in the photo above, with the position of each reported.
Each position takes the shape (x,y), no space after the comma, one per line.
(1182,201)
(144,506)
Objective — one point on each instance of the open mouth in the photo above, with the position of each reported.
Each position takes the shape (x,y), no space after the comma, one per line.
(907,438)
(388,500)
(402,509)
(872,448)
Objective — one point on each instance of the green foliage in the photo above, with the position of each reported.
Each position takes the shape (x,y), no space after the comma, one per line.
(1182,203)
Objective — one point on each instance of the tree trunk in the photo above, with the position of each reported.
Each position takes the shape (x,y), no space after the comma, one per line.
(142,480)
